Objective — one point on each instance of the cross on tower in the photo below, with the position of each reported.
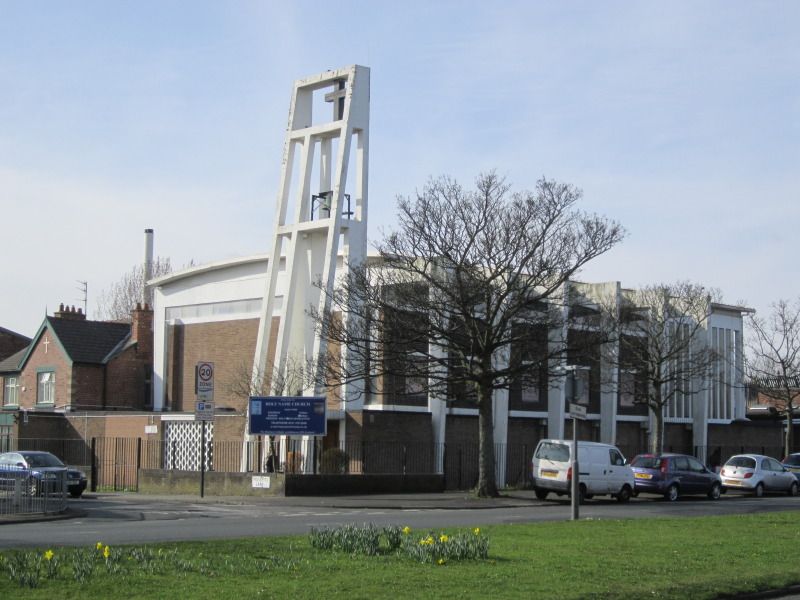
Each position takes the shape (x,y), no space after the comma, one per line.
(337,97)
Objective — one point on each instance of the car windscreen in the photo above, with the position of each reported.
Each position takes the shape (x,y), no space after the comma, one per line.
(42,460)
(741,461)
(792,459)
(646,462)
(550,451)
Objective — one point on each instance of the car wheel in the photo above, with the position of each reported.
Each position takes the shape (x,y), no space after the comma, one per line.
(541,494)
(582,494)
(672,493)
(715,492)
(793,489)
(624,494)
(76,493)
(759,490)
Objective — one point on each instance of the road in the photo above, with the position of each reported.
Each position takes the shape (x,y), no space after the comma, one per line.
(125,519)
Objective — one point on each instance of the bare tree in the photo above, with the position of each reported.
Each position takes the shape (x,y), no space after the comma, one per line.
(662,346)
(772,360)
(463,295)
(117,302)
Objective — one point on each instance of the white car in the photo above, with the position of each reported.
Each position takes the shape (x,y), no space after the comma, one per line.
(757,474)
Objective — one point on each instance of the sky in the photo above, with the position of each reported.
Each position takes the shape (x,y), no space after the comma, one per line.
(680,120)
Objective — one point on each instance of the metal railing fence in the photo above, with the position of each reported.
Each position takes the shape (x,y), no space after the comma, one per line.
(24,492)
(114,463)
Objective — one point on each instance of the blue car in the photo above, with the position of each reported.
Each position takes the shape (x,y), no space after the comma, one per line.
(673,475)
(41,471)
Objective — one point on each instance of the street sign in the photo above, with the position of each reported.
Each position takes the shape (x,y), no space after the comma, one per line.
(577,411)
(204,411)
(204,381)
(288,415)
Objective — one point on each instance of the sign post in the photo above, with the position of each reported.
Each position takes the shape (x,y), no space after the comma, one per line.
(204,410)
(576,411)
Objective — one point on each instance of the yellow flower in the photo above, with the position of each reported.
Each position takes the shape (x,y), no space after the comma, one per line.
(106,552)
(49,555)
(441,561)
(477,531)
(443,538)
(99,545)
(406,530)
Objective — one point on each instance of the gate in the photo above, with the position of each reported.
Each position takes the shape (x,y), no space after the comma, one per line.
(115,464)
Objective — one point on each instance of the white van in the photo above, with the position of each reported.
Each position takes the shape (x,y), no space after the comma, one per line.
(603,470)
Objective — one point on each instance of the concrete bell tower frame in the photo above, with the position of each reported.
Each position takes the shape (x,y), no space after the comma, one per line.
(320,229)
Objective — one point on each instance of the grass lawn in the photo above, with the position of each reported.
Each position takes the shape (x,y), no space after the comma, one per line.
(669,558)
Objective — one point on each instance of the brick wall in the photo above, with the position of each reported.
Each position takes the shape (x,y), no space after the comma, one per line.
(398,442)
(631,438)
(403,427)
(128,377)
(87,387)
(230,345)
(47,355)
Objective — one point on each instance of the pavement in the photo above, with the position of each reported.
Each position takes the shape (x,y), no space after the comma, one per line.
(458,500)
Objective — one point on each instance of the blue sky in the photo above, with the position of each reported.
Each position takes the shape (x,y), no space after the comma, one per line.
(681,120)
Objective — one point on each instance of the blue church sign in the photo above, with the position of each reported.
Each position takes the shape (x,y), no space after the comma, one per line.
(288,415)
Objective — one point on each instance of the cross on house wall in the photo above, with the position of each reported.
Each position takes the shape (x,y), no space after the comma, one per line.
(45,343)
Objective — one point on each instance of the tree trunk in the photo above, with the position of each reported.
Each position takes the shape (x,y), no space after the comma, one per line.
(789,436)
(657,434)
(487,484)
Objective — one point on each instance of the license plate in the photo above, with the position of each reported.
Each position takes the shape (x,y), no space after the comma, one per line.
(642,475)
(550,474)
(732,482)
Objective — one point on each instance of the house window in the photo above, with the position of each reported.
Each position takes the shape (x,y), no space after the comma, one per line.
(46,388)
(11,391)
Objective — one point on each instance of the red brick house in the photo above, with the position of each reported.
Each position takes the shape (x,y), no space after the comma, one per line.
(73,364)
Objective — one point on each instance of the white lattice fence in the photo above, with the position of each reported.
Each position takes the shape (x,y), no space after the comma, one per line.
(182,452)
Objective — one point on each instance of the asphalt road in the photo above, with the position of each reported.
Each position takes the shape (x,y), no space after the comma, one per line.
(125,519)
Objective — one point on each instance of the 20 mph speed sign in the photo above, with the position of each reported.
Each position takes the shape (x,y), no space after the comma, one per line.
(204,381)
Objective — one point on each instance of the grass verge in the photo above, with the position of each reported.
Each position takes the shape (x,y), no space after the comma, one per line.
(661,558)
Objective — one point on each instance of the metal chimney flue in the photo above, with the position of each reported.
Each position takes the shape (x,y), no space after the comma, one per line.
(148,267)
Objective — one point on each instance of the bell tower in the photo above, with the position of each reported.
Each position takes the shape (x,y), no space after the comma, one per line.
(320,219)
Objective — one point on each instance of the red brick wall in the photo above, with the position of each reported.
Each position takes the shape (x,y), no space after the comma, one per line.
(87,387)
(49,355)
(128,378)
(402,427)
(230,345)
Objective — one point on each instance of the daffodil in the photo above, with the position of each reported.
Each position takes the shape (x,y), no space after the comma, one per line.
(441,561)
(406,530)
(477,531)
(99,545)
(106,552)
(443,538)
(49,555)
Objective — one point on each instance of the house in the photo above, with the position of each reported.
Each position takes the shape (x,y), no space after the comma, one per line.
(74,364)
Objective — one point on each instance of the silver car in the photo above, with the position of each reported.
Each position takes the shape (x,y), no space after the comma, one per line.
(757,474)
